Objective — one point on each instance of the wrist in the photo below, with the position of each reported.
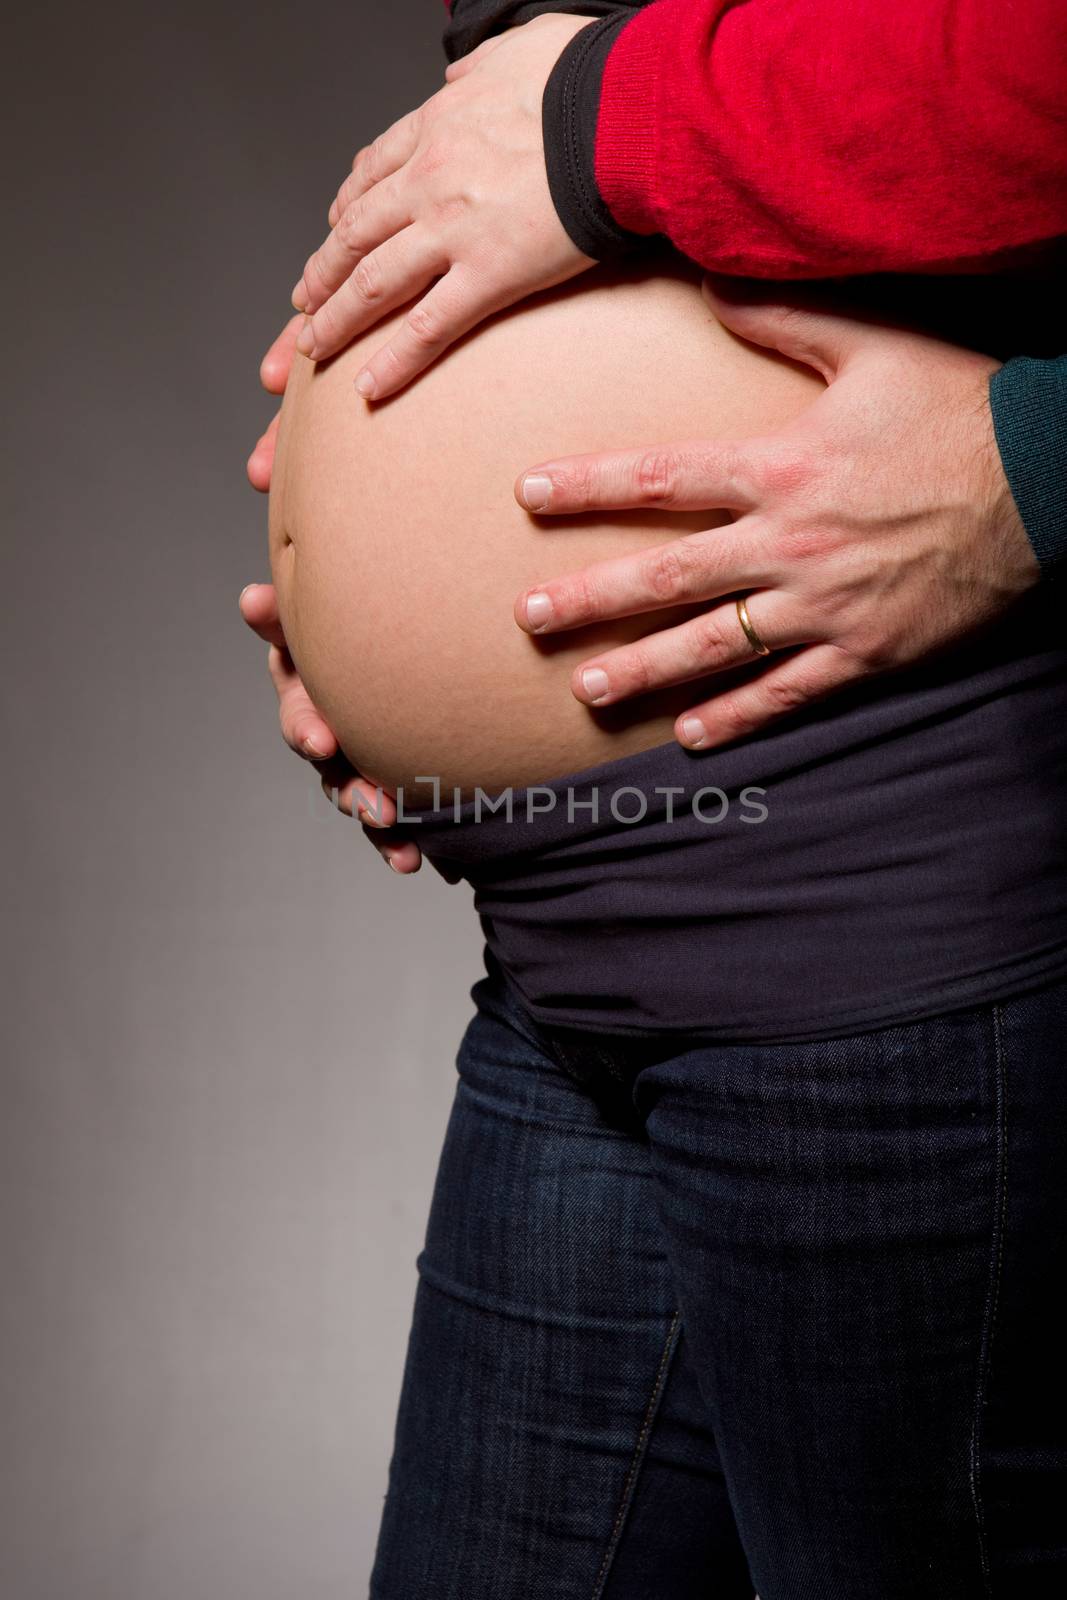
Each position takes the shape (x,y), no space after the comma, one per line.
(569,117)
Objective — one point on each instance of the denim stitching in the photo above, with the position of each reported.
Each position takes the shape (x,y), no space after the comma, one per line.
(993,1295)
(638,1456)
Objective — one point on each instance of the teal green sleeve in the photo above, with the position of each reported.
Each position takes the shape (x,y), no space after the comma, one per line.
(1028,399)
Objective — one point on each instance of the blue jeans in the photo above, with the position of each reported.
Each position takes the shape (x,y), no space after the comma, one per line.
(693,1323)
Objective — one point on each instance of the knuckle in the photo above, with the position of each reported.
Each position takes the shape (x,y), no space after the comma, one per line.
(882,653)
(789,469)
(577,598)
(432,157)
(864,661)
(661,573)
(390,366)
(366,279)
(786,694)
(655,477)
(575,484)
(325,321)
(667,572)
(806,541)
(639,669)
(709,643)
(424,325)
(314,271)
(369,160)
(451,208)
(737,722)
(349,224)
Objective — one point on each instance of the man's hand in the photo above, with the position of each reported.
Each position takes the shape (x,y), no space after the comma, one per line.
(875,530)
(456,191)
(303,728)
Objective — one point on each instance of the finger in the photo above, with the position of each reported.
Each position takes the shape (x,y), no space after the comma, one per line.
(708,643)
(378,160)
(276,364)
(698,566)
(404,858)
(367,222)
(260,465)
(800,328)
(258,604)
(442,316)
(389,277)
(303,729)
(696,475)
(360,797)
(786,686)
(375,809)
(460,68)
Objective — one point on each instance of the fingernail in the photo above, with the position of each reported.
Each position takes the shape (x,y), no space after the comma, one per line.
(247,586)
(536,492)
(693,732)
(305,340)
(538,610)
(595,683)
(310,748)
(367,385)
(299,296)
(390,856)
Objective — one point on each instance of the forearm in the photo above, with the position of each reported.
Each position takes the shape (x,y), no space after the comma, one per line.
(785,139)
(804,139)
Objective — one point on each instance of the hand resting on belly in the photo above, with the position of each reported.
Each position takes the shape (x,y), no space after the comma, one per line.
(397,547)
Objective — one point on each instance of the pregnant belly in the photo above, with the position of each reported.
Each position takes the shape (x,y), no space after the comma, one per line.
(398,549)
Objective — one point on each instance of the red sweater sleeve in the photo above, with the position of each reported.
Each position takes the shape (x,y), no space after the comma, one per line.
(817,138)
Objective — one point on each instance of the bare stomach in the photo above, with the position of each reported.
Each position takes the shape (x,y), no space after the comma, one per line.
(397,546)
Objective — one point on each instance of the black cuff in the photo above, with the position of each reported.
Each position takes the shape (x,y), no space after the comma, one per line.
(473,21)
(1028,399)
(569,117)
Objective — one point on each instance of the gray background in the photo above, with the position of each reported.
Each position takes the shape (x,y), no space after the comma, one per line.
(227,1031)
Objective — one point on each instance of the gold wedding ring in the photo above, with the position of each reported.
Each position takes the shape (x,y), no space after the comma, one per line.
(750,633)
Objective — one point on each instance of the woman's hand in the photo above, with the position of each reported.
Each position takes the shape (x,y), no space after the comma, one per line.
(274,372)
(303,728)
(457,191)
(875,530)
(304,731)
